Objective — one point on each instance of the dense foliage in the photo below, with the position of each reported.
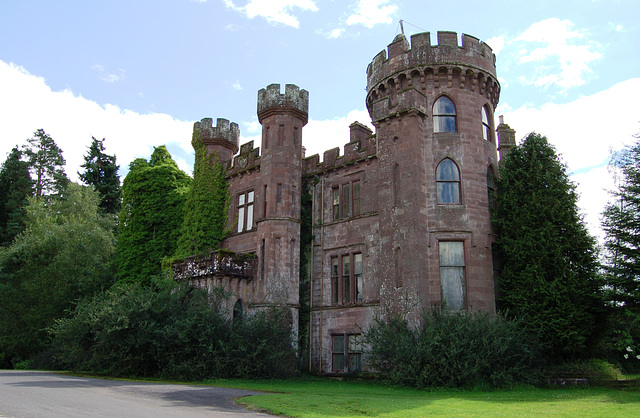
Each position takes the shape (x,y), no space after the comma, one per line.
(101,172)
(550,276)
(207,205)
(65,253)
(454,350)
(153,197)
(46,164)
(16,187)
(621,223)
(174,333)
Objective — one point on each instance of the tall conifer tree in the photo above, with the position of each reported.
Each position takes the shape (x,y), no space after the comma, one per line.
(550,263)
(101,172)
(46,164)
(15,187)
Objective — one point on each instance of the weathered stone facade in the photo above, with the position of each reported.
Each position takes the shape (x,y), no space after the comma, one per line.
(400,221)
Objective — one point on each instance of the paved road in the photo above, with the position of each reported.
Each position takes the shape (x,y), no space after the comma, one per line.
(45,394)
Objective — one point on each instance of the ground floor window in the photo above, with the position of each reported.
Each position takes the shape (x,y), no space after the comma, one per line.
(346,353)
(452,274)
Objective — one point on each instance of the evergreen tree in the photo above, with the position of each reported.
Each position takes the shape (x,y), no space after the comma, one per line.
(46,164)
(66,253)
(101,172)
(207,205)
(153,197)
(621,223)
(550,269)
(15,187)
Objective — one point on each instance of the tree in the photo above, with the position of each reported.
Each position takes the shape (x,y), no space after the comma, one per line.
(101,172)
(550,276)
(66,253)
(15,188)
(46,163)
(153,197)
(207,205)
(621,224)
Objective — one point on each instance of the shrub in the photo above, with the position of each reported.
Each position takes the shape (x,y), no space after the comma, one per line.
(454,350)
(176,333)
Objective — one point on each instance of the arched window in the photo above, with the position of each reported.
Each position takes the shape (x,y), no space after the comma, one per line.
(486,125)
(448,182)
(444,115)
(491,185)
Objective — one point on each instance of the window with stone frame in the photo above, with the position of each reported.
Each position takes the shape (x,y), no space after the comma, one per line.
(452,275)
(487,130)
(245,210)
(346,200)
(491,186)
(346,279)
(346,353)
(444,115)
(447,183)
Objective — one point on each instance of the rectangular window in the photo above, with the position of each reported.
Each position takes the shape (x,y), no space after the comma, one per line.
(346,352)
(338,353)
(336,203)
(357,277)
(279,193)
(335,280)
(452,274)
(356,198)
(346,279)
(346,201)
(245,211)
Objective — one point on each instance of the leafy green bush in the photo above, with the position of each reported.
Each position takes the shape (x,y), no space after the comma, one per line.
(176,332)
(454,350)
(596,371)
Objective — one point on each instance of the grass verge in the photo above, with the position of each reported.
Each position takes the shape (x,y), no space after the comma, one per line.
(332,398)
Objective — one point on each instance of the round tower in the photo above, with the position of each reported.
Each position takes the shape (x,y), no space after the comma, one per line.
(282,116)
(222,138)
(432,106)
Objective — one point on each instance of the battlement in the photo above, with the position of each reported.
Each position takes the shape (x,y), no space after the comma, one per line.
(401,56)
(361,147)
(225,133)
(294,100)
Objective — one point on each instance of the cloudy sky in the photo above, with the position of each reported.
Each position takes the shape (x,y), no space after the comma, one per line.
(139,73)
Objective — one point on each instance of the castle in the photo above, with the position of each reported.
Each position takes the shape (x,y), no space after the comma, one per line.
(399,222)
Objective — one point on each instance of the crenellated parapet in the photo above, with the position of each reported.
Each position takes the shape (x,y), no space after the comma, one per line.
(294,100)
(360,149)
(225,134)
(247,160)
(405,73)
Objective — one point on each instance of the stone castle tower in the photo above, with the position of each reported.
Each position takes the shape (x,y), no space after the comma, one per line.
(400,222)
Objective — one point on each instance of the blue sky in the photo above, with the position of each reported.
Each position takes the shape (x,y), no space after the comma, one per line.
(139,73)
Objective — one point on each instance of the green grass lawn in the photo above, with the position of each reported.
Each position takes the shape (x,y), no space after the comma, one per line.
(332,398)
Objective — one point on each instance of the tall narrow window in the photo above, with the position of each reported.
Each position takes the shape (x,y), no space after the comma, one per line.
(245,211)
(264,201)
(336,203)
(338,353)
(346,279)
(452,274)
(335,280)
(346,201)
(444,115)
(447,182)
(486,125)
(357,277)
(356,198)
(354,350)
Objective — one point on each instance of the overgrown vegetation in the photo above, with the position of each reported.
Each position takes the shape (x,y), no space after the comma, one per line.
(171,332)
(454,350)
(101,173)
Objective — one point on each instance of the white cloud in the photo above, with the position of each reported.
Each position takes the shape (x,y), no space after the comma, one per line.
(274,11)
(560,54)
(583,132)
(112,77)
(28,104)
(496,43)
(371,12)
(236,85)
